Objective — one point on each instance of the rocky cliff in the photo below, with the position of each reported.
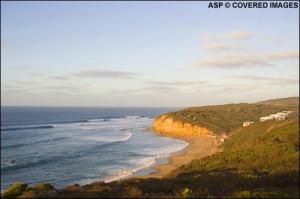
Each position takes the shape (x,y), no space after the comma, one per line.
(166,125)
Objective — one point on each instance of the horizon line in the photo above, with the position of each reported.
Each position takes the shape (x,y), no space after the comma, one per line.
(79,106)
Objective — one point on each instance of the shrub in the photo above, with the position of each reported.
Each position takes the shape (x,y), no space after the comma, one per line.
(43,186)
(14,190)
(133,192)
(28,194)
(187,193)
(242,194)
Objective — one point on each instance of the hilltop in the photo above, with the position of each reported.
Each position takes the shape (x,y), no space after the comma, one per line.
(260,160)
(225,118)
(289,101)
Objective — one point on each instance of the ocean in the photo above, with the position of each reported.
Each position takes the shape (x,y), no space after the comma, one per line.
(68,145)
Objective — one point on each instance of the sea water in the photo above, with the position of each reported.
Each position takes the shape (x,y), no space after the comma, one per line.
(69,145)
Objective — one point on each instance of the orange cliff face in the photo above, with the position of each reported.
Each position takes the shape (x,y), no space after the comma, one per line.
(167,126)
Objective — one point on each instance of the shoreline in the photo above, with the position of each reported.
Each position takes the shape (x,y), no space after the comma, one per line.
(198,147)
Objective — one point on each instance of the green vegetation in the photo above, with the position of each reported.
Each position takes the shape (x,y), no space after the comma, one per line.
(22,190)
(43,186)
(187,193)
(228,117)
(289,101)
(258,161)
(15,190)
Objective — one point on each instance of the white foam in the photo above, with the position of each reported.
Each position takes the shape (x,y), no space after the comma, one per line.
(165,150)
(112,138)
(118,176)
(147,162)
(114,123)
(124,173)
(96,120)
(113,126)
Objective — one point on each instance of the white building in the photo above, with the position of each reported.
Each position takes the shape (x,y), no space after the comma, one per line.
(278,116)
(282,114)
(262,119)
(287,112)
(247,123)
(223,137)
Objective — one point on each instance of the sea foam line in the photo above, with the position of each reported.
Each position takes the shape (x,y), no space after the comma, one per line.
(143,163)
(118,138)
(76,123)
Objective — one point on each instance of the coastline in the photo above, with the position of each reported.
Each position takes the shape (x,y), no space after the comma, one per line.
(199,147)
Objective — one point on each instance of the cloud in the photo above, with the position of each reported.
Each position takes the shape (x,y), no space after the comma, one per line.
(274,40)
(160,88)
(37,74)
(231,36)
(266,80)
(177,83)
(105,73)
(242,56)
(218,47)
(238,35)
(3,44)
(146,90)
(24,82)
(233,60)
(7,86)
(234,88)
(66,77)
(15,90)
(61,87)
(241,59)
(92,73)
(283,55)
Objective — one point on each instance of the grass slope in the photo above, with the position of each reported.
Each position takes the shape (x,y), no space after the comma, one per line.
(258,161)
(227,117)
(289,101)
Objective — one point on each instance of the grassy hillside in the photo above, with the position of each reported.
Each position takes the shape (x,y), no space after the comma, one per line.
(289,101)
(261,160)
(230,116)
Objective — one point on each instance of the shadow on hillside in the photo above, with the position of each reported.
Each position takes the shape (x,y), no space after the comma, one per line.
(216,183)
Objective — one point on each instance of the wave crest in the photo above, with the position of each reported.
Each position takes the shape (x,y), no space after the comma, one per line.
(26,127)
(114,138)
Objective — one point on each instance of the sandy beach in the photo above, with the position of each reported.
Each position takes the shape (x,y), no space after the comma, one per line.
(198,147)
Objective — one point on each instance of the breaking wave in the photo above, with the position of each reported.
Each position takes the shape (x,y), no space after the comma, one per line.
(84,124)
(26,127)
(113,138)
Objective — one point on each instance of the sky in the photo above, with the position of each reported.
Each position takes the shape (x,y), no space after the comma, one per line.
(145,54)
